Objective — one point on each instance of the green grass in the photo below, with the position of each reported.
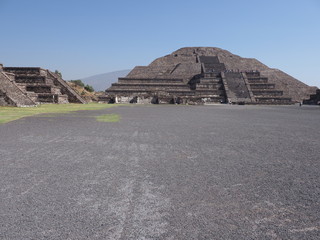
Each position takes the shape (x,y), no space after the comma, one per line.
(108,118)
(8,114)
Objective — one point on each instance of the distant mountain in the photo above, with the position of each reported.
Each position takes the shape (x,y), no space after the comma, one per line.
(103,81)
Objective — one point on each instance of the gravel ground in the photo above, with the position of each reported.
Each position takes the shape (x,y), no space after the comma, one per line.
(163,172)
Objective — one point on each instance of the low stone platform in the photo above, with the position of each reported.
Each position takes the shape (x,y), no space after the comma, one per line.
(314,99)
(34,86)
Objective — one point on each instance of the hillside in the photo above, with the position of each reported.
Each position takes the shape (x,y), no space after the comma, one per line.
(103,81)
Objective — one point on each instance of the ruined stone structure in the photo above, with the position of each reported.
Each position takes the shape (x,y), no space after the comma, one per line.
(199,75)
(28,86)
(314,99)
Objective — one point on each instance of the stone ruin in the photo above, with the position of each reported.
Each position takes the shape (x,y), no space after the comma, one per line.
(314,99)
(29,86)
(204,75)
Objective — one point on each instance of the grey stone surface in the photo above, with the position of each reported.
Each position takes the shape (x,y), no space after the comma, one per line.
(163,172)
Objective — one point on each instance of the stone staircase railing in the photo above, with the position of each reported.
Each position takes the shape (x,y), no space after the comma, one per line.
(70,92)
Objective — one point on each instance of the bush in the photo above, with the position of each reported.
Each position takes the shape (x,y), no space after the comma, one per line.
(58,73)
(78,83)
(89,88)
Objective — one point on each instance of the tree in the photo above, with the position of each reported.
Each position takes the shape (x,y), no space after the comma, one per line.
(89,88)
(78,83)
(58,73)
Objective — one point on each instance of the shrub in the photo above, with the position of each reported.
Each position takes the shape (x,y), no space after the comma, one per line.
(78,82)
(89,88)
(58,73)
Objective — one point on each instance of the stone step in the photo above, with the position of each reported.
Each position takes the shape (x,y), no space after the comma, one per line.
(146,90)
(48,97)
(209,99)
(23,70)
(267,92)
(262,86)
(181,93)
(211,74)
(258,80)
(273,100)
(150,88)
(253,74)
(209,59)
(30,79)
(148,80)
(202,93)
(39,89)
(213,67)
(210,80)
(209,89)
(149,84)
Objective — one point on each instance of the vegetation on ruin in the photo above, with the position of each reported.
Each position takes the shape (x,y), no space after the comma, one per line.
(58,73)
(8,114)
(89,88)
(108,118)
(79,83)
(86,91)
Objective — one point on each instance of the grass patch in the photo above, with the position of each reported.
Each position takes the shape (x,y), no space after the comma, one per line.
(108,118)
(8,114)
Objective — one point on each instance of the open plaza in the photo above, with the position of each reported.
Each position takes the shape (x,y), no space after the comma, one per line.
(162,172)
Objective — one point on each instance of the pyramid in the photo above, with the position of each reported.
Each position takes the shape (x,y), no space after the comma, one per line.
(204,75)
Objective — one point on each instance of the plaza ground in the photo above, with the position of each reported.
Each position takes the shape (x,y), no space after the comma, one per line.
(162,172)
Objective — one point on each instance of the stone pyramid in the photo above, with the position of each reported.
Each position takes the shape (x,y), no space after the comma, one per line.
(203,75)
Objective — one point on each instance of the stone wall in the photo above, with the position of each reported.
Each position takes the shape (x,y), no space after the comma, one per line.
(11,94)
(290,86)
(314,98)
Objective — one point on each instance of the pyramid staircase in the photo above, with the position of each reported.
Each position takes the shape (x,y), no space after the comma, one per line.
(209,87)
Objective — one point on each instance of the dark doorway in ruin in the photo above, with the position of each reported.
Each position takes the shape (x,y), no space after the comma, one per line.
(172,101)
(112,100)
(177,100)
(155,100)
(134,100)
(56,98)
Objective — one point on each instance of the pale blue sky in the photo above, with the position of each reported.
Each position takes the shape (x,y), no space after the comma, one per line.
(84,38)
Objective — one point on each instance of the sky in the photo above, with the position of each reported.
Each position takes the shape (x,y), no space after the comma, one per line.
(84,38)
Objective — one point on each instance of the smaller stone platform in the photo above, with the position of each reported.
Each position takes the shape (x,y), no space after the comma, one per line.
(314,99)
(28,86)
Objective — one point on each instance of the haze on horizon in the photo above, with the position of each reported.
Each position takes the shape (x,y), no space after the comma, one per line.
(85,38)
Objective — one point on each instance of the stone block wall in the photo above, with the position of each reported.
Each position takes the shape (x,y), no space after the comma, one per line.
(35,85)
(12,95)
